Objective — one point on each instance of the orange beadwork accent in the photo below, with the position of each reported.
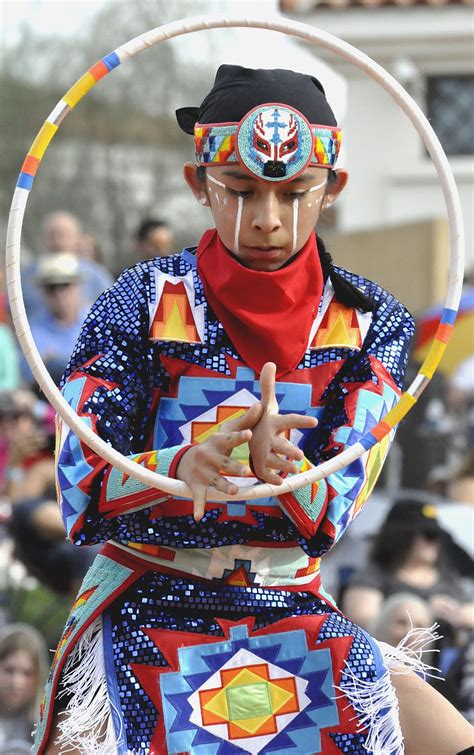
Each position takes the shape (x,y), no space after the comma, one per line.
(238,578)
(312,568)
(339,327)
(83,598)
(279,696)
(148,459)
(320,151)
(157,551)
(174,319)
(202,430)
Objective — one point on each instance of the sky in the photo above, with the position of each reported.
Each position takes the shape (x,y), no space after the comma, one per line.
(58,17)
(64,17)
(263,49)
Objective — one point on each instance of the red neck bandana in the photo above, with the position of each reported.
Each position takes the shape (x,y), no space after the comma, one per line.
(267,316)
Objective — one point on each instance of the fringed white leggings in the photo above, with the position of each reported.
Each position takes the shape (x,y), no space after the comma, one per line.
(88,710)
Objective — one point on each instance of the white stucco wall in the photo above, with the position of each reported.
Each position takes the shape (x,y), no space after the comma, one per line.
(392,179)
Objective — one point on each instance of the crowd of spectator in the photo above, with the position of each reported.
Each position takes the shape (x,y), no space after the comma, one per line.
(40,570)
(410,571)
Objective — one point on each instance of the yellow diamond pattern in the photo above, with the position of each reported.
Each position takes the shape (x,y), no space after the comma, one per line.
(245,679)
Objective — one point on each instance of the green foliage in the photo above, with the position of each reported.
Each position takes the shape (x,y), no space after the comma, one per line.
(41,608)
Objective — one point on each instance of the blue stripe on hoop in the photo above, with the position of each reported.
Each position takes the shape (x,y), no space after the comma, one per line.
(448,317)
(111,60)
(25,181)
(368,441)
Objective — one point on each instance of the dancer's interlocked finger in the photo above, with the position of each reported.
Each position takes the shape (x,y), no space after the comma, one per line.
(199,499)
(267,388)
(274,461)
(236,431)
(226,441)
(203,465)
(270,452)
(283,447)
(295,421)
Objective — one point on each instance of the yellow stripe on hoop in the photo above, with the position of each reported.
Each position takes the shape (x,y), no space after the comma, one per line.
(433,358)
(43,138)
(399,410)
(79,89)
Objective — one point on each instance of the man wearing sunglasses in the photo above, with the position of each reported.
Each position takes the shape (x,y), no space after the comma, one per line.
(56,327)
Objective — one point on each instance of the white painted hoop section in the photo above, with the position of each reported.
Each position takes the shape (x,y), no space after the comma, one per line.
(451,197)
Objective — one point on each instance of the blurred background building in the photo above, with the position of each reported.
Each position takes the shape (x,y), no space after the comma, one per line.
(393,215)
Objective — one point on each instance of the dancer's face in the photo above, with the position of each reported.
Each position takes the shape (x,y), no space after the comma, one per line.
(264,223)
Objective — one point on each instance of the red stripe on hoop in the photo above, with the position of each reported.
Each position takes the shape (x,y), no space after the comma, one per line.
(98,70)
(444,332)
(30,165)
(381,430)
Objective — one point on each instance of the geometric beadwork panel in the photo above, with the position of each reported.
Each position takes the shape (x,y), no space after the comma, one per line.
(260,694)
(248,701)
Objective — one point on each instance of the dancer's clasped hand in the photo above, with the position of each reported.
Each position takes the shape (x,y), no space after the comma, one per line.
(205,466)
(271,453)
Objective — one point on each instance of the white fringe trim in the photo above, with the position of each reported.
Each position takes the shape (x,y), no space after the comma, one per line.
(86,723)
(409,652)
(376,702)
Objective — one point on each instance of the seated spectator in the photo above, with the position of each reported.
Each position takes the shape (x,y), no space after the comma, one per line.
(89,248)
(32,516)
(61,233)
(461,386)
(461,487)
(39,542)
(399,614)
(23,669)
(56,327)
(26,446)
(451,668)
(457,668)
(9,359)
(405,557)
(153,238)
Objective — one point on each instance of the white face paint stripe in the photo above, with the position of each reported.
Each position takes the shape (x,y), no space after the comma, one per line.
(238,220)
(214,180)
(240,204)
(295,224)
(319,186)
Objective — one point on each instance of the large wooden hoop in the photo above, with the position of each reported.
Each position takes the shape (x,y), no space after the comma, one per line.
(25,182)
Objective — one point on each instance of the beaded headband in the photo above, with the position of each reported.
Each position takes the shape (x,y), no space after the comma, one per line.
(274,142)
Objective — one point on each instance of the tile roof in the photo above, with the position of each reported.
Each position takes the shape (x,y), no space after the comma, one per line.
(288,6)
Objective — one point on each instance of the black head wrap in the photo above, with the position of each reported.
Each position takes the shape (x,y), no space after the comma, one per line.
(238,90)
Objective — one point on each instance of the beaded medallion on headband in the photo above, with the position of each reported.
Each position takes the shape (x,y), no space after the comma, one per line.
(274,142)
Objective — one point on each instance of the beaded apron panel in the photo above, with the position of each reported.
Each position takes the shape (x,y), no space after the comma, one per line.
(189,670)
